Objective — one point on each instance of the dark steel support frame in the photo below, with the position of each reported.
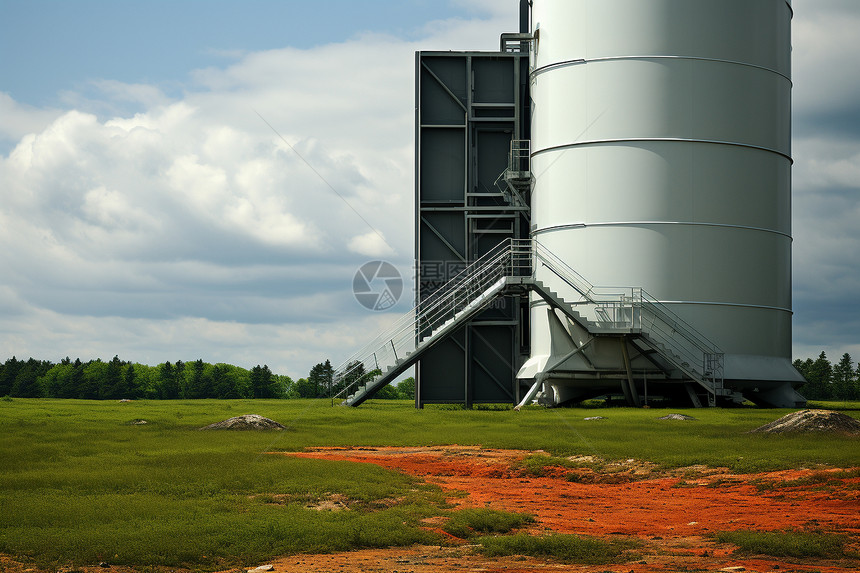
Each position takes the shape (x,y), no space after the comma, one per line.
(483,109)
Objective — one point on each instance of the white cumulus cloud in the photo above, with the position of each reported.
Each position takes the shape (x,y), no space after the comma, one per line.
(370,244)
(219,224)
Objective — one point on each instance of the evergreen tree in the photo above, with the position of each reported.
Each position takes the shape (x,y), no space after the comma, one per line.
(320,378)
(8,374)
(199,383)
(257,381)
(843,378)
(89,388)
(818,375)
(77,380)
(219,386)
(856,385)
(181,384)
(275,386)
(113,384)
(168,387)
(26,384)
(132,384)
(263,383)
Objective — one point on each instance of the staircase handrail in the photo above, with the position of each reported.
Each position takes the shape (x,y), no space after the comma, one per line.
(705,353)
(679,324)
(563,271)
(430,313)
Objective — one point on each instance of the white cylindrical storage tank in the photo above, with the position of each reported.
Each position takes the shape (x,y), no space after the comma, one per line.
(661,159)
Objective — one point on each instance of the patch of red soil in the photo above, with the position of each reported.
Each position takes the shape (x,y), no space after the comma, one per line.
(675,513)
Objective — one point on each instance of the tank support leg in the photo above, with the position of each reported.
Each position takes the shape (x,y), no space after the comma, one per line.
(541,376)
(631,394)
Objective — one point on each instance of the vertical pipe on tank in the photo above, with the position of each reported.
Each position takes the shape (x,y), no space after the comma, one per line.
(525,12)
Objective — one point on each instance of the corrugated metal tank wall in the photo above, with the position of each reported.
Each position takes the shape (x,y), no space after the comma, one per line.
(661,157)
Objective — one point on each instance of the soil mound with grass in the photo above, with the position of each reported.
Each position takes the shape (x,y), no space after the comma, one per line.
(813,421)
(676,417)
(246,422)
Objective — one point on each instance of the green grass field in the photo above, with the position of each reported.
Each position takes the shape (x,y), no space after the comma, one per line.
(80,483)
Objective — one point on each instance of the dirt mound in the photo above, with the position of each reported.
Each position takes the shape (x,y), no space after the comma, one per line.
(676,417)
(246,422)
(812,421)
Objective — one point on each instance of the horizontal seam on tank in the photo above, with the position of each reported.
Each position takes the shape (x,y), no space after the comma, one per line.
(714,303)
(578,61)
(663,139)
(625,223)
(539,302)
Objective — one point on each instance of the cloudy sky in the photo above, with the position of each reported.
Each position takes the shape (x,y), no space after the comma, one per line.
(149,210)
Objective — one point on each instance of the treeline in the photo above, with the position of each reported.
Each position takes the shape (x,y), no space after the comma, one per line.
(826,381)
(119,379)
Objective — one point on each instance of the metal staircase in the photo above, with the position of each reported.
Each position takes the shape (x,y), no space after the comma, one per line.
(685,352)
(515,182)
(510,267)
(451,306)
